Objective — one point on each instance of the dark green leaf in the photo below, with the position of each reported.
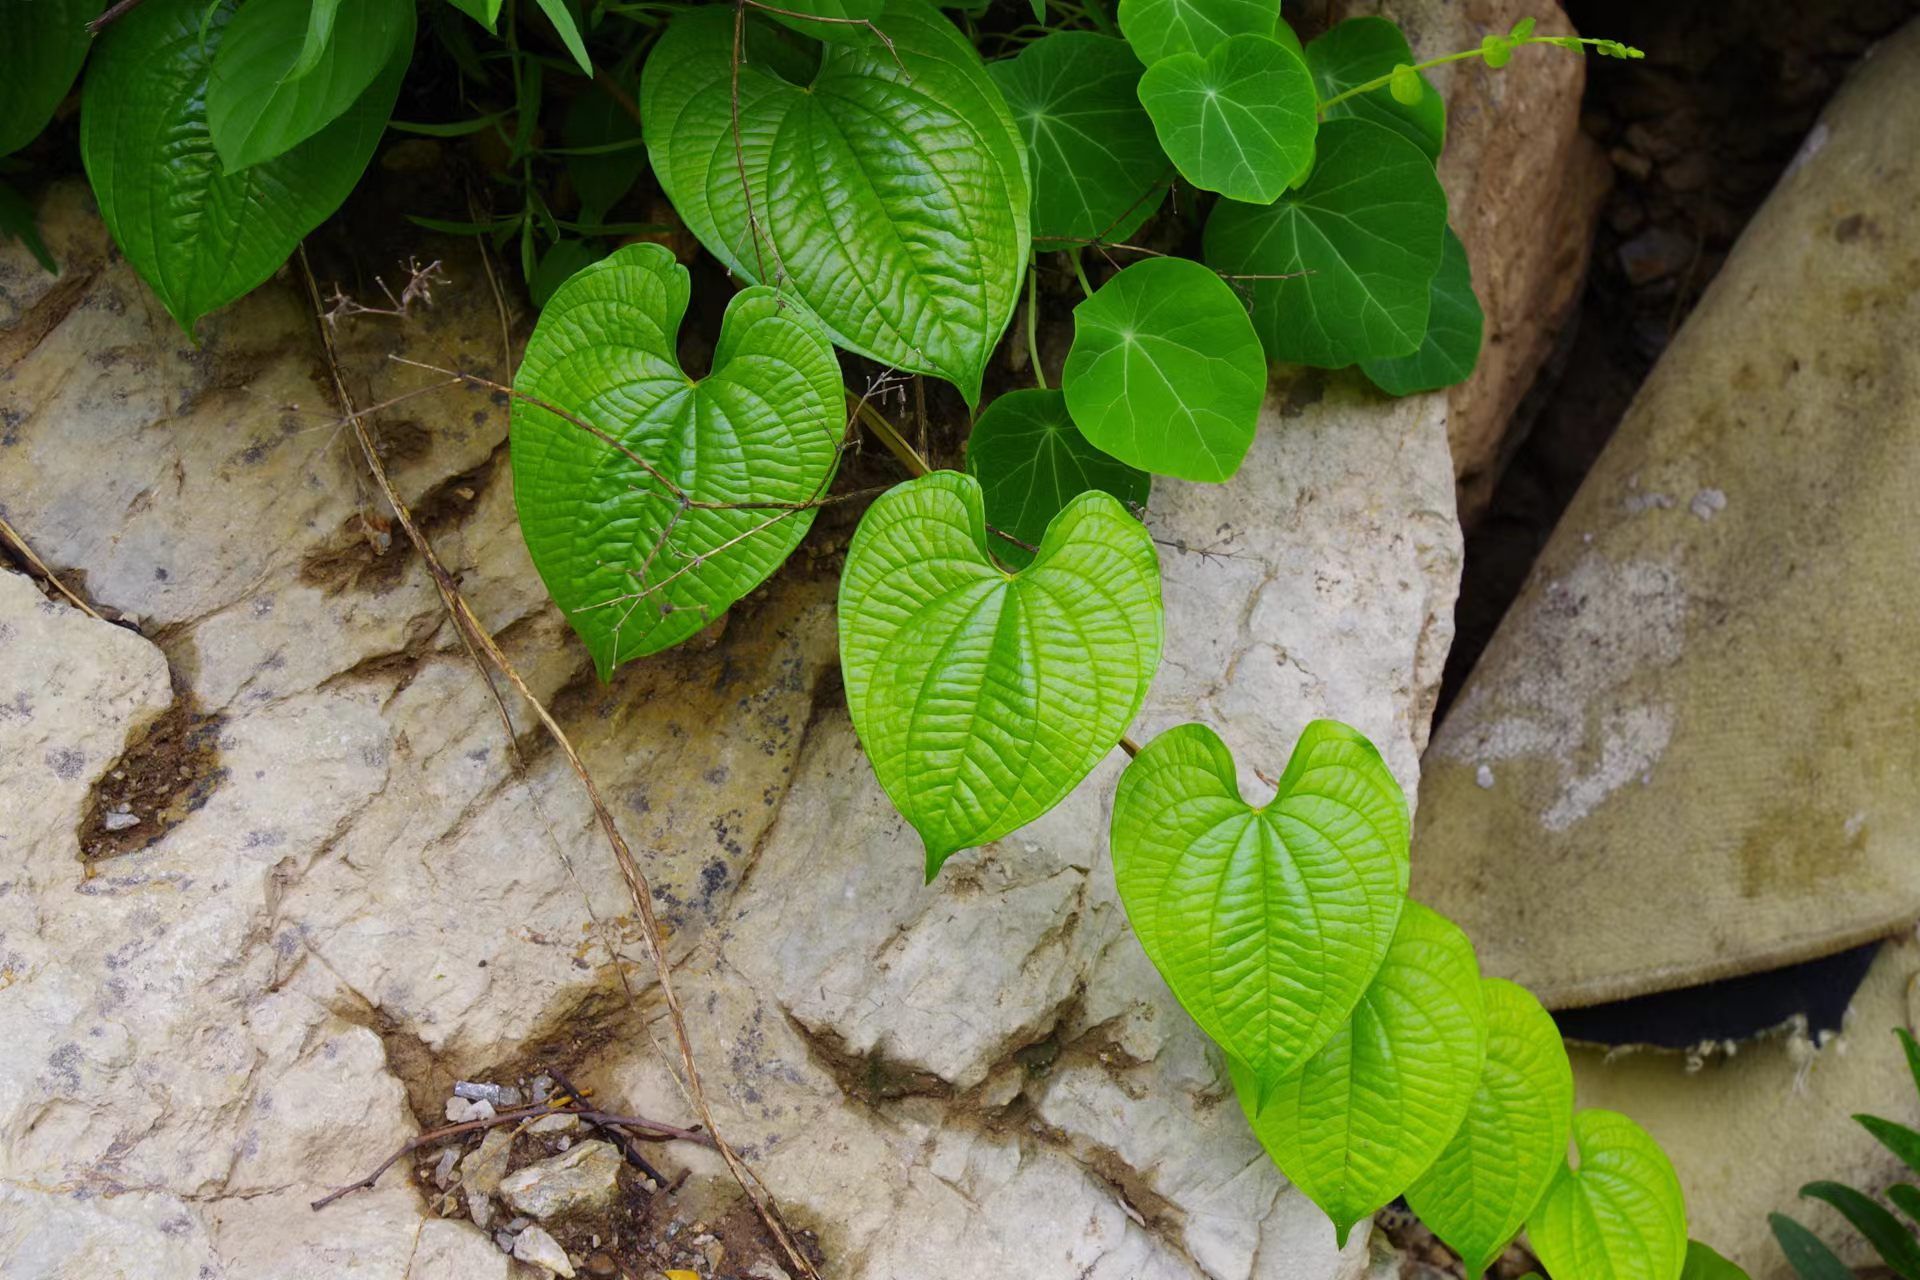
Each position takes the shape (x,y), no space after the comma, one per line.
(1363,49)
(199,236)
(1906,1198)
(484,12)
(1031,461)
(1809,1258)
(1703,1263)
(1912,1050)
(1897,1138)
(633,569)
(257,108)
(848,12)
(18,223)
(890,196)
(1162,28)
(569,32)
(1361,240)
(1098,171)
(1893,1242)
(1166,372)
(46,43)
(616,154)
(1239,120)
(1451,346)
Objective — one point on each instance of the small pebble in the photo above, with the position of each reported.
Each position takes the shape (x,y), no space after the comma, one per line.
(119,820)
(1708,503)
(500,1095)
(443,1170)
(1483,777)
(542,1250)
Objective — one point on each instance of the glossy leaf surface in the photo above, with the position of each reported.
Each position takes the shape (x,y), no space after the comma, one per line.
(1031,461)
(1239,120)
(1360,241)
(1512,1142)
(1162,28)
(984,697)
(1267,922)
(1098,171)
(1620,1215)
(198,235)
(1451,347)
(47,42)
(1368,1112)
(1166,372)
(889,193)
(634,570)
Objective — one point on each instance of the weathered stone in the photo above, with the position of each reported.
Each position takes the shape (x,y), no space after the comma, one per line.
(535,1246)
(482,1168)
(455,1251)
(978,1078)
(1747,1130)
(1702,715)
(583,1177)
(1524,186)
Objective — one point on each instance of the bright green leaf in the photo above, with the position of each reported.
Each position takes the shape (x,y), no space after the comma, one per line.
(484,12)
(890,196)
(1620,1215)
(1031,461)
(257,108)
(199,236)
(1809,1258)
(320,16)
(1098,171)
(1268,923)
(569,32)
(1896,1245)
(1483,1186)
(17,222)
(1703,1263)
(1451,346)
(47,41)
(1376,1104)
(1239,120)
(1166,372)
(597,120)
(984,697)
(1360,240)
(632,568)
(1162,28)
(1364,49)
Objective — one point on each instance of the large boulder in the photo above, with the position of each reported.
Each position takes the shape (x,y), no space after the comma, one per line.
(340,895)
(1690,750)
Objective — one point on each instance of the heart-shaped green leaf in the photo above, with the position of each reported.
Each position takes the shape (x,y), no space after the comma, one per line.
(1098,171)
(1360,239)
(1268,922)
(1166,372)
(1162,28)
(47,41)
(1031,461)
(841,17)
(199,236)
(1363,49)
(1239,120)
(1704,1263)
(633,566)
(1452,344)
(258,108)
(984,697)
(1483,1186)
(890,193)
(1620,1216)
(1373,1108)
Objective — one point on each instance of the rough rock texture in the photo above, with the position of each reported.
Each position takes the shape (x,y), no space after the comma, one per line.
(1782,1095)
(358,902)
(1707,691)
(585,1175)
(1524,186)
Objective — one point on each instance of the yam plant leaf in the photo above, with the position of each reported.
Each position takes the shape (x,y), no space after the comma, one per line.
(1031,461)
(595,122)
(1360,241)
(1896,1245)
(1363,49)
(1805,1252)
(889,193)
(1267,922)
(1906,1198)
(1098,171)
(849,11)
(1166,372)
(259,105)
(198,235)
(484,12)
(1368,1112)
(984,697)
(632,568)
(1620,1215)
(1704,1263)
(47,41)
(1451,347)
(320,16)
(568,30)
(1480,1190)
(1239,120)
(1162,28)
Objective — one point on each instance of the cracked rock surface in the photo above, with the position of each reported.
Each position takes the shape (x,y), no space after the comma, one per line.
(344,898)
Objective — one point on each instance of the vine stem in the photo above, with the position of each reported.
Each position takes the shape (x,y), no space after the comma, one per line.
(1033,322)
(1381,82)
(1080,272)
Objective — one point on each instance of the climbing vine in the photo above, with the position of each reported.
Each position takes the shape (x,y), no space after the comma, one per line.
(885,191)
